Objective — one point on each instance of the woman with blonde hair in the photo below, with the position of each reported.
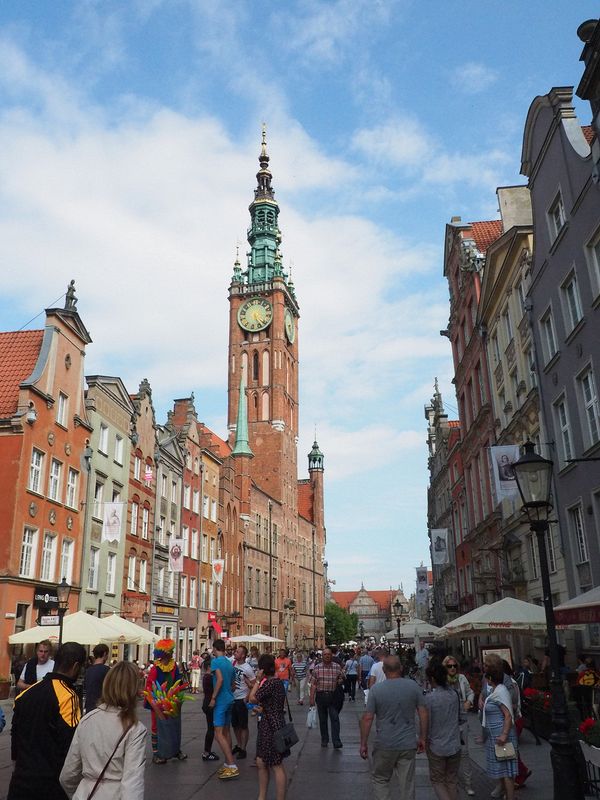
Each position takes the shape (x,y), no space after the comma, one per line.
(107,756)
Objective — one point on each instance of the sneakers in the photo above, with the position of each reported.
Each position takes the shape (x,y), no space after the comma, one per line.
(338,746)
(235,750)
(227,773)
(498,791)
(210,757)
(241,753)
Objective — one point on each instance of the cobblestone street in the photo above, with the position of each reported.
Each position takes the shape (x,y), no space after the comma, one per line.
(312,770)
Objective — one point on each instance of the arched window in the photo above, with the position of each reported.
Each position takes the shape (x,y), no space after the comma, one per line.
(265,368)
(255,366)
(264,412)
(245,367)
(228,519)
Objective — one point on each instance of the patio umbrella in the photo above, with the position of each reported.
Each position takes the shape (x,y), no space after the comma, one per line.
(414,627)
(254,637)
(582,609)
(128,632)
(78,627)
(460,624)
(508,614)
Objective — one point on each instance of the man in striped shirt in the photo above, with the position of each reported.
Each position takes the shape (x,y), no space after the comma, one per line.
(300,668)
(326,677)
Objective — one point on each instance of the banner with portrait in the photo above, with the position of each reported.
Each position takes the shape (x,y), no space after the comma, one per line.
(505,483)
(176,555)
(112,522)
(439,546)
(218,568)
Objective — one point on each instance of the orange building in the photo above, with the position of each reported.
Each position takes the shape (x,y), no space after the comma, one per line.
(44,433)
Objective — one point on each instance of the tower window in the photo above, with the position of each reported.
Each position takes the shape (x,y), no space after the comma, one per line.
(255,366)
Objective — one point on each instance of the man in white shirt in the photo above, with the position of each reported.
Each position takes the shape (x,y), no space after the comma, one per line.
(244,680)
(377,675)
(38,666)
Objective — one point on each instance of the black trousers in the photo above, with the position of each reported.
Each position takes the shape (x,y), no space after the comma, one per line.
(351,686)
(210,729)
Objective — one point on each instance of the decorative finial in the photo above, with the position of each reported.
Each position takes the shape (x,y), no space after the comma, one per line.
(237,269)
(437,388)
(264,139)
(70,299)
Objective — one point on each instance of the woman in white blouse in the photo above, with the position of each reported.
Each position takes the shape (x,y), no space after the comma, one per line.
(108,752)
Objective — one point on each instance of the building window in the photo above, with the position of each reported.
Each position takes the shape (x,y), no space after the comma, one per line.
(520,290)
(119,449)
(185,535)
(562,423)
(548,336)
(556,217)
(35,471)
(213,510)
(196,502)
(160,581)
(48,558)
(213,545)
(143,575)
(593,259)
(211,595)
(194,552)
(170,583)
(571,302)
(205,506)
(28,548)
(145,522)
(508,331)
(183,590)
(203,594)
(173,491)
(135,510)
(163,485)
(550,551)
(162,532)
(66,560)
(54,481)
(578,533)
(137,468)
(495,349)
(535,567)
(589,401)
(205,547)
(72,479)
(103,439)
(257,588)
(193,590)
(62,410)
(111,569)
(186,496)
(131,574)
(98,498)
(93,569)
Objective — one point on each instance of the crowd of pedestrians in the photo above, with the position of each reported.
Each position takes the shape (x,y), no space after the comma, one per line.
(415,702)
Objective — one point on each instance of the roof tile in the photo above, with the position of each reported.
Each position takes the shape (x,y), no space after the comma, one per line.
(484,233)
(19,351)
(589,133)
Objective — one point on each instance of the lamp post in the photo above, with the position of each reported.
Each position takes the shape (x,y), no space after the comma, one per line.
(361,630)
(63,590)
(398,611)
(533,474)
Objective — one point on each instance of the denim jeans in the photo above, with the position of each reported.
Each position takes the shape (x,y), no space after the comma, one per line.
(326,708)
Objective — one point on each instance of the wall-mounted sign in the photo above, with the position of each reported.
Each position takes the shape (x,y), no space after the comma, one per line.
(45,597)
(165,610)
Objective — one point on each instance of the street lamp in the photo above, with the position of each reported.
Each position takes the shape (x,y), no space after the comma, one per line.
(398,611)
(361,630)
(533,474)
(63,590)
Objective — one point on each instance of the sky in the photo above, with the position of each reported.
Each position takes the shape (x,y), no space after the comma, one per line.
(129,137)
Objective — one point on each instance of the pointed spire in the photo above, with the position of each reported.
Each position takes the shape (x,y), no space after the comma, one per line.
(242,445)
(237,268)
(315,458)
(263,176)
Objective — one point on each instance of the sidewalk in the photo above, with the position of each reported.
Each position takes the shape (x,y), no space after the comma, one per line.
(312,771)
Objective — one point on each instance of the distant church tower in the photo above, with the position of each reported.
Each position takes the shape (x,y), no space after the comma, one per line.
(263,348)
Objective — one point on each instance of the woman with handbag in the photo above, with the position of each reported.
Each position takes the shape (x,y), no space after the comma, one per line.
(501,737)
(269,693)
(107,757)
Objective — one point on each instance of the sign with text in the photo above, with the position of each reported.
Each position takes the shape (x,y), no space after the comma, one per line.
(45,597)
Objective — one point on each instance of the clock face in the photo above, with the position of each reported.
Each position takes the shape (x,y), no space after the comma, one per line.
(255,315)
(290,328)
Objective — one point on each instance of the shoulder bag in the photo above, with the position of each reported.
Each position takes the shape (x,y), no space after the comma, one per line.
(99,779)
(285,737)
(505,752)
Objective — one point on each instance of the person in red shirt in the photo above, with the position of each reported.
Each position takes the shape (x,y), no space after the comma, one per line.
(284,669)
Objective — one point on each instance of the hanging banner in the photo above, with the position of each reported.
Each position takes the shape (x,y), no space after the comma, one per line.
(505,483)
(112,522)
(176,555)
(422,599)
(218,567)
(148,474)
(439,546)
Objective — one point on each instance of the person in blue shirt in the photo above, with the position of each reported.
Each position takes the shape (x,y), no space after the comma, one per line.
(222,702)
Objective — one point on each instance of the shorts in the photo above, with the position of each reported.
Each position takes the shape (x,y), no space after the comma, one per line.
(239,715)
(222,714)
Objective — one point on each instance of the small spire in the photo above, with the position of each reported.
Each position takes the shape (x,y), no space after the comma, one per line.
(263,176)
(315,458)
(70,299)
(242,445)
(237,269)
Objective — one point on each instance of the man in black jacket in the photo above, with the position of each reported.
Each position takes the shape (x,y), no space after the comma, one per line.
(44,721)
(38,666)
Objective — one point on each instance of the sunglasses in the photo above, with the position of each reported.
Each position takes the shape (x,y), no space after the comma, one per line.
(452,666)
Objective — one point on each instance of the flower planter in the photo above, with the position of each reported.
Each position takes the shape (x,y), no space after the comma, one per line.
(590,753)
(542,722)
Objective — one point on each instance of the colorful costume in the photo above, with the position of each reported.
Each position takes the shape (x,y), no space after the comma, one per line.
(163,671)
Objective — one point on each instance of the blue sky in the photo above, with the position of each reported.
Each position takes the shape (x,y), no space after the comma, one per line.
(129,135)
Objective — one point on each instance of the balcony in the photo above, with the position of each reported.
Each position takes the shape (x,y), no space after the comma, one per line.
(451,601)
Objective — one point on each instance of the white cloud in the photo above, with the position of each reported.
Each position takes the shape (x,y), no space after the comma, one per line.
(402,142)
(473,77)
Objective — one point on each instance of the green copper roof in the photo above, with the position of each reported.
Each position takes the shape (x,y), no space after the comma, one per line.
(315,457)
(242,445)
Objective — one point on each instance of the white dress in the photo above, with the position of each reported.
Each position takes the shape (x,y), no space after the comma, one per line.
(94,741)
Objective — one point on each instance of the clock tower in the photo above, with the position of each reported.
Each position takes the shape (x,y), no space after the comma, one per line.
(263,348)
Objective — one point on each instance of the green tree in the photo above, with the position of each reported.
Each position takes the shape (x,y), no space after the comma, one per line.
(340,626)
